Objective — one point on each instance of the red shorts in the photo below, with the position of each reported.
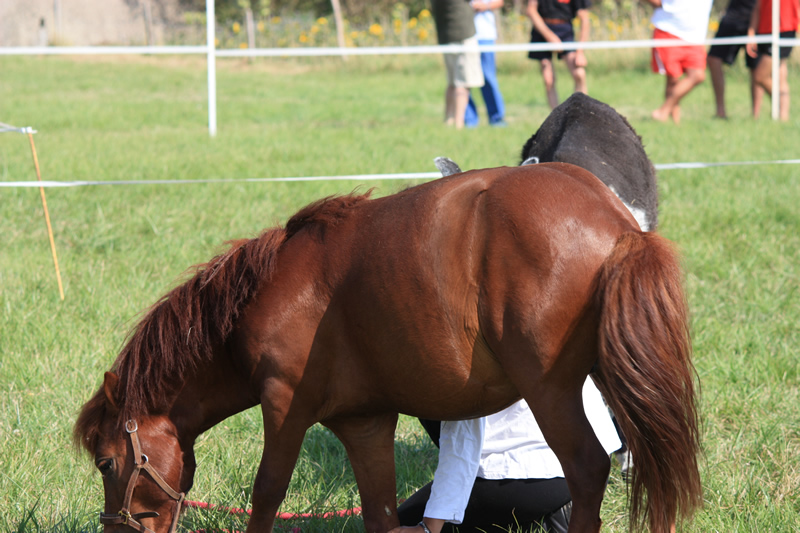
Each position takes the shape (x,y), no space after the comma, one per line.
(674,60)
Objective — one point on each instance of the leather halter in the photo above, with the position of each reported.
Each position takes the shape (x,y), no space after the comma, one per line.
(141,462)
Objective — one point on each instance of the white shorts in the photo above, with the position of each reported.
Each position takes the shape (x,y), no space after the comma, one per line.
(464,68)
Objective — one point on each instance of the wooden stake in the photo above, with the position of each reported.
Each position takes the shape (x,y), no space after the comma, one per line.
(47,217)
(337,17)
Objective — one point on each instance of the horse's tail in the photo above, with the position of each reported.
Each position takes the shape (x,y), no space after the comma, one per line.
(647,377)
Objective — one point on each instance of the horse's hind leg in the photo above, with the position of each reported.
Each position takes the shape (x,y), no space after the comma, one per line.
(560,414)
(369,442)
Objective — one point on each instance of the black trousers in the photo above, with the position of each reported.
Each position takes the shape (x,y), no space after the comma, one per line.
(499,504)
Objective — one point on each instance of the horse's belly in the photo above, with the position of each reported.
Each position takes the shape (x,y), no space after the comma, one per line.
(466,382)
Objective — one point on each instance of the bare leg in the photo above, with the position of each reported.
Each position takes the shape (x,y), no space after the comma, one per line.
(370,446)
(756,95)
(578,73)
(549,78)
(663,112)
(461,102)
(784,94)
(677,88)
(718,84)
(762,77)
(762,74)
(450,105)
(456,101)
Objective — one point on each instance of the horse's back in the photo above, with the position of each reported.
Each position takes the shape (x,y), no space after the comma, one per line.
(434,273)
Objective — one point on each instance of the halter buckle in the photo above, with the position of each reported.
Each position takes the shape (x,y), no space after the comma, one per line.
(131,426)
(126,515)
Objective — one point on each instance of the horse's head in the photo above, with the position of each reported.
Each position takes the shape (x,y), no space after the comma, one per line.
(145,473)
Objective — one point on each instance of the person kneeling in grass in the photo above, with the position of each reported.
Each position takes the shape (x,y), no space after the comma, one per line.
(497,473)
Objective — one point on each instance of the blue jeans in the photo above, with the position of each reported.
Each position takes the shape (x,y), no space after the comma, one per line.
(490,91)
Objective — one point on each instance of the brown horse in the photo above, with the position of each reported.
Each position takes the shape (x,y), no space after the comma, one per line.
(447,300)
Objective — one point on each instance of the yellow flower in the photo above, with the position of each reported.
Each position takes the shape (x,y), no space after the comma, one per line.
(260,25)
(713,25)
(398,25)
(353,34)
(412,23)
(322,21)
(424,14)
(236,27)
(376,29)
(422,34)
(275,20)
(314,29)
(243,45)
(303,38)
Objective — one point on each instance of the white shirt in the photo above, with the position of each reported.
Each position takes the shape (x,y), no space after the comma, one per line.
(505,445)
(485,26)
(685,19)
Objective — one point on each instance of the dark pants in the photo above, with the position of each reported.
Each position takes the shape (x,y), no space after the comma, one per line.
(500,504)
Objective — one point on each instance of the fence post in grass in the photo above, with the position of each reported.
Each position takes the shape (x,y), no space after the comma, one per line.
(337,17)
(776,59)
(147,15)
(46,214)
(251,28)
(211,60)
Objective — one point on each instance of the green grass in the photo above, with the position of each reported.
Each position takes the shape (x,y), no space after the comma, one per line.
(122,247)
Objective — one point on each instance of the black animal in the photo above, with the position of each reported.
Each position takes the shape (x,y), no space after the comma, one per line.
(592,135)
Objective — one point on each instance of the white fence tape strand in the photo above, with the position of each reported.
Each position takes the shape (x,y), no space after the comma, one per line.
(371,50)
(354,177)
(8,128)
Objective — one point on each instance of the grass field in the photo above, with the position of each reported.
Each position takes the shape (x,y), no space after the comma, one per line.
(121,247)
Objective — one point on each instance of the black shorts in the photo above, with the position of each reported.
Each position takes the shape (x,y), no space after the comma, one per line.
(564,32)
(732,27)
(785,51)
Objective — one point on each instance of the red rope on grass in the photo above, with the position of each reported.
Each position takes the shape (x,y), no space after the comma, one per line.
(282,516)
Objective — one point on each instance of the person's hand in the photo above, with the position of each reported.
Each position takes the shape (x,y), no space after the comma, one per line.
(553,38)
(751,48)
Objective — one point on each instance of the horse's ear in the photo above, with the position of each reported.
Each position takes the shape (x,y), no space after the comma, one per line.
(446,166)
(110,382)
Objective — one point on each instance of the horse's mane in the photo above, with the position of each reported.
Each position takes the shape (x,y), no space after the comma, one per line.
(179,332)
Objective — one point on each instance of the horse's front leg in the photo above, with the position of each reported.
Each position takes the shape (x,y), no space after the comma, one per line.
(369,442)
(282,443)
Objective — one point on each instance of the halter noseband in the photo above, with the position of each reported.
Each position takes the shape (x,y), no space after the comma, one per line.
(141,462)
